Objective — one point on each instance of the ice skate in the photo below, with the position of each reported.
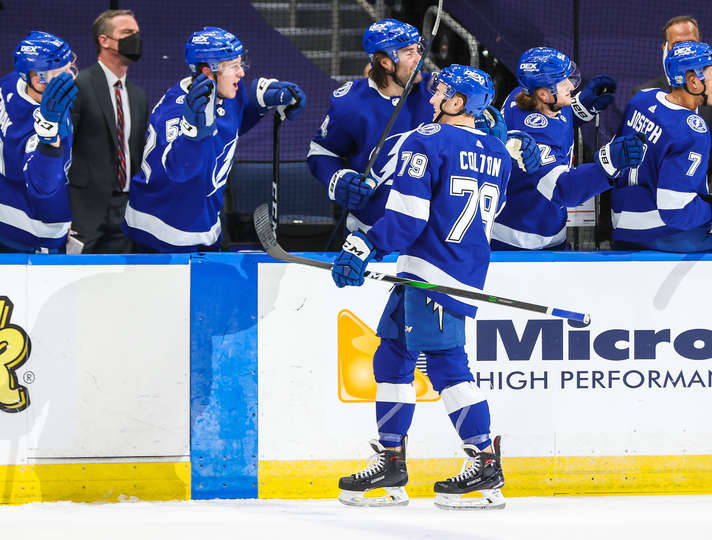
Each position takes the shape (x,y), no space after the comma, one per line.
(387,470)
(481,472)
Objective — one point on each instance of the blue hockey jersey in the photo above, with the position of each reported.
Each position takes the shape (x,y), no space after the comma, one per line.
(34,202)
(449,184)
(357,116)
(663,195)
(176,199)
(535,215)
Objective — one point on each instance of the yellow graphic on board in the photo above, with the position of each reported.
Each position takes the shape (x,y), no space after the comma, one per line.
(14,351)
(356,345)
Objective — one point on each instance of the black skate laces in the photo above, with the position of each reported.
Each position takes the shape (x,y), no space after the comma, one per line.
(376,464)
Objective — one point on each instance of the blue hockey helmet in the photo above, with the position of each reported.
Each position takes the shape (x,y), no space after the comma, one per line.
(212,45)
(473,83)
(687,56)
(41,52)
(543,67)
(388,36)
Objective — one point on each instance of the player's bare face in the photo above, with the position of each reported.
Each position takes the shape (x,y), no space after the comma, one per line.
(230,74)
(684,31)
(563,93)
(437,100)
(708,83)
(408,58)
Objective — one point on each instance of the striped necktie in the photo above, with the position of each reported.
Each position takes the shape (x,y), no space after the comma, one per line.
(120,136)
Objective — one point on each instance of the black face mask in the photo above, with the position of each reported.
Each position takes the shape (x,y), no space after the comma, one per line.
(130,46)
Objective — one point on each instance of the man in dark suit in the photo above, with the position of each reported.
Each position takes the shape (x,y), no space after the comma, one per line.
(677,29)
(110,117)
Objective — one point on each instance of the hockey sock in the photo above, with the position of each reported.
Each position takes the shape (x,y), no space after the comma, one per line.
(469,413)
(395,405)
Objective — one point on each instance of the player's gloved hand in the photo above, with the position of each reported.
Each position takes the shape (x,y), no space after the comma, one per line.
(524,150)
(492,122)
(199,109)
(350,265)
(620,153)
(595,97)
(51,117)
(350,190)
(289,99)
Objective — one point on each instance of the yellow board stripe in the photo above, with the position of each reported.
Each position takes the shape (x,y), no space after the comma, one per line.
(90,482)
(625,475)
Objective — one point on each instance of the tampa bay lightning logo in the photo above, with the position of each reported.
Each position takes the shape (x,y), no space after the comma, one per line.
(343,89)
(536,120)
(428,129)
(696,123)
(220,111)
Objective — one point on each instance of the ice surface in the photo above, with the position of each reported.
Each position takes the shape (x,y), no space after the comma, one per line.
(533,518)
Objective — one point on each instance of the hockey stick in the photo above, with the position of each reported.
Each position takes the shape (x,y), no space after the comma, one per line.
(279,115)
(269,243)
(406,92)
(275,172)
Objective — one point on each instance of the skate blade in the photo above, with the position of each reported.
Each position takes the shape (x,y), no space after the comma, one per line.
(395,496)
(492,499)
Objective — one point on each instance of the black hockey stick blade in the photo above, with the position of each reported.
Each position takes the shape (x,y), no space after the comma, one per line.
(263,228)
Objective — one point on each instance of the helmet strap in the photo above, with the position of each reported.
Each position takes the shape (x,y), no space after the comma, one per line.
(443,112)
(703,93)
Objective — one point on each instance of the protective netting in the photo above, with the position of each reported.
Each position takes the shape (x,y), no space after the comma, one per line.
(318,45)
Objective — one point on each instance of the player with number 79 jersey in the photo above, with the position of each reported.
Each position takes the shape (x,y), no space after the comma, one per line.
(449,182)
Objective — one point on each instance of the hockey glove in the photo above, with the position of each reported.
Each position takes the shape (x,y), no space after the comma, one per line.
(289,99)
(619,154)
(350,190)
(524,150)
(492,123)
(350,265)
(199,109)
(595,97)
(51,117)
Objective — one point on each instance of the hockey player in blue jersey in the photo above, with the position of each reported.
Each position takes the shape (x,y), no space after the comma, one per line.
(36,146)
(665,203)
(176,199)
(358,114)
(449,184)
(543,106)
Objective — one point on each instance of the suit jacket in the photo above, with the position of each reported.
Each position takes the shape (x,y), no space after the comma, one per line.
(93,175)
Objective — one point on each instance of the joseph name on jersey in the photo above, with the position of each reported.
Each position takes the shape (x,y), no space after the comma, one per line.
(536,211)
(176,199)
(663,195)
(34,203)
(448,185)
(358,114)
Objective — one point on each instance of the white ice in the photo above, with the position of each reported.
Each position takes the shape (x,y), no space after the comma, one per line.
(533,518)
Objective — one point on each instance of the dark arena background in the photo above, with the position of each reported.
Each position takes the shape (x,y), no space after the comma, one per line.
(318,45)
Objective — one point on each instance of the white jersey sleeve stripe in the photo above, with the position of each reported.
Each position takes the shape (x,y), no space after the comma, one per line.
(432,274)
(673,200)
(637,221)
(410,205)
(547,183)
(526,240)
(19,219)
(168,234)
(318,150)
